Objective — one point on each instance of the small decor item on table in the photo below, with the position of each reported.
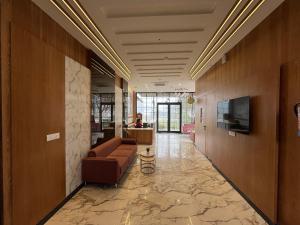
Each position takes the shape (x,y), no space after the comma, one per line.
(148,150)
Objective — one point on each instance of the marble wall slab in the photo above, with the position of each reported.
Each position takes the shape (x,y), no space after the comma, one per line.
(118,111)
(78,129)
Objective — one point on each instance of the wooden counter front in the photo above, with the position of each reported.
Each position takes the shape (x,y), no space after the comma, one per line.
(143,136)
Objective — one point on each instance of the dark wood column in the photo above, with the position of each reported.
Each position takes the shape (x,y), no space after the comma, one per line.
(5,86)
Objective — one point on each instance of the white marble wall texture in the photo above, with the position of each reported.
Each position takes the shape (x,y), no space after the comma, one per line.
(118,111)
(77,114)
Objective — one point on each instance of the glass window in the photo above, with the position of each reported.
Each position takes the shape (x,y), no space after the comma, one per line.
(147,105)
(187,112)
(163,97)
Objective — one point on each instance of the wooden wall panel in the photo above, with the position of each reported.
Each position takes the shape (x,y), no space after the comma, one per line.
(289,176)
(30,17)
(39,30)
(289,157)
(291,31)
(38,174)
(250,161)
(1,167)
(5,110)
(253,70)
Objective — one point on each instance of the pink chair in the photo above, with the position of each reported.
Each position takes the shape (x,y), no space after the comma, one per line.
(188,128)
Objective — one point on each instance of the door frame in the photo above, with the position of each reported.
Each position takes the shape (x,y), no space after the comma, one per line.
(169,116)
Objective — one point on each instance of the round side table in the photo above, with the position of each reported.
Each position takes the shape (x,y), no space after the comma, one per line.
(147,162)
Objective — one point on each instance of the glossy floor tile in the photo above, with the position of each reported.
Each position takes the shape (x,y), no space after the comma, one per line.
(184,190)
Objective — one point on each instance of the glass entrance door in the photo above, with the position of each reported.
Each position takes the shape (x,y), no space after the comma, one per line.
(162,117)
(169,117)
(175,117)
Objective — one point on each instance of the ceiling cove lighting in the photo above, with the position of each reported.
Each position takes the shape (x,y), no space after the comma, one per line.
(86,27)
(102,68)
(224,34)
(99,32)
(232,34)
(216,34)
(112,60)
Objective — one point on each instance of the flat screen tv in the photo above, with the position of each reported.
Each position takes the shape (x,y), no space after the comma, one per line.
(234,115)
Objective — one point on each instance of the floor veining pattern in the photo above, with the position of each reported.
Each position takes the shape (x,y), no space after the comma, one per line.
(184,190)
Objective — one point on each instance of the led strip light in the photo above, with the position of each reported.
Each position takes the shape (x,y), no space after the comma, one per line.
(102,68)
(216,34)
(232,34)
(224,34)
(92,33)
(99,32)
(117,64)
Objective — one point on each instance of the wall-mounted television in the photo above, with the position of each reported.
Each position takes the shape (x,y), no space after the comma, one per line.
(234,115)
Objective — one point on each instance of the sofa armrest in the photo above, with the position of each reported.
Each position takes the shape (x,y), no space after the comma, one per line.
(129,141)
(100,170)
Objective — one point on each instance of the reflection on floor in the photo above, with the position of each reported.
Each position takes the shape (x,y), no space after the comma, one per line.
(184,190)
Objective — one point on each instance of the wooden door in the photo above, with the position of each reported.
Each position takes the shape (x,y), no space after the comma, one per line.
(201,127)
(38,109)
(289,154)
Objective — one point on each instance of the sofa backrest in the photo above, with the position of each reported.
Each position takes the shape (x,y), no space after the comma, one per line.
(106,148)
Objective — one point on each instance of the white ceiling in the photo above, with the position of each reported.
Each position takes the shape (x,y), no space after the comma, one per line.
(160,40)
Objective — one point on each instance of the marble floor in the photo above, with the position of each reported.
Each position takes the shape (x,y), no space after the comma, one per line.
(184,190)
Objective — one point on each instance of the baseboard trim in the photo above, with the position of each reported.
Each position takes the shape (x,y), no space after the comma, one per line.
(60,205)
(261,213)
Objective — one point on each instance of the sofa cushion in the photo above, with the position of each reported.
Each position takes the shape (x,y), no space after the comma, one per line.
(106,148)
(130,153)
(127,147)
(126,153)
(122,162)
(129,141)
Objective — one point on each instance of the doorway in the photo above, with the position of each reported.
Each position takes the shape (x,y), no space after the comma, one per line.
(201,129)
(169,117)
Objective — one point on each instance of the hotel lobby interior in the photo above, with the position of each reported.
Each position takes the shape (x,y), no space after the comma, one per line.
(132,112)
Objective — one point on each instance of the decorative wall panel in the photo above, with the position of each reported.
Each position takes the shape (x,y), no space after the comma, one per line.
(78,134)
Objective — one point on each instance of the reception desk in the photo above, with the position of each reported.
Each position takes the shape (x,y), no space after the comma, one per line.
(143,136)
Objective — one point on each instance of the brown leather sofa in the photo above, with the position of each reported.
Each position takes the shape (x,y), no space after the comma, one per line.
(107,162)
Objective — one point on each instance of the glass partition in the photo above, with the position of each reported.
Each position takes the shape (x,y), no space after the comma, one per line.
(147,105)
(102,105)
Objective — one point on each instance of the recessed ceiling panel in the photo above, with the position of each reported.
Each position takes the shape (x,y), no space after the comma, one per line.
(153,41)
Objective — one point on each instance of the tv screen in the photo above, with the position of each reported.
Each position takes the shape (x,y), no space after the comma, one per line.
(239,111)
(234,115)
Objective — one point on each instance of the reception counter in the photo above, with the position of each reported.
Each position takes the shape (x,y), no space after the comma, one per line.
(144,136)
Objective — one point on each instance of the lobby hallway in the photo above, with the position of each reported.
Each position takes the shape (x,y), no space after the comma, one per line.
(184,190)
